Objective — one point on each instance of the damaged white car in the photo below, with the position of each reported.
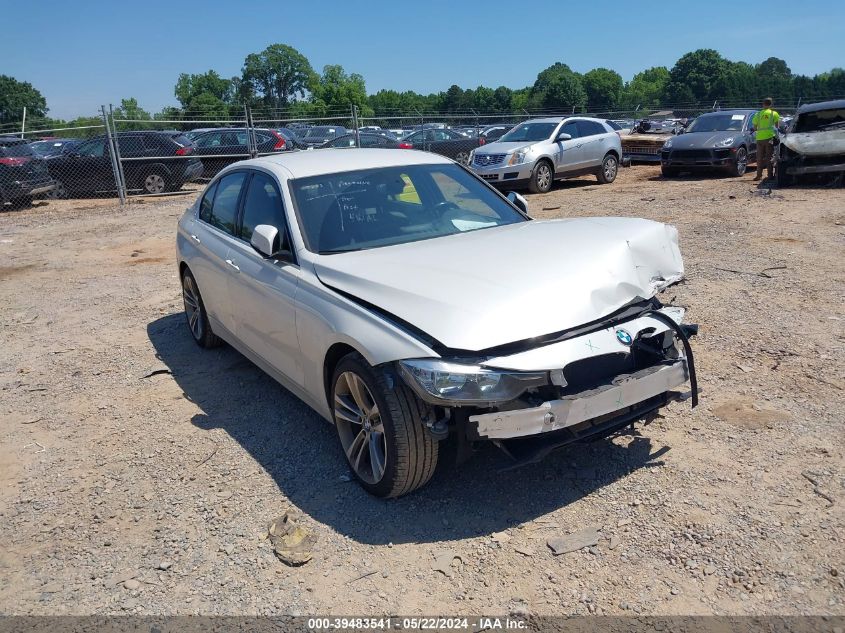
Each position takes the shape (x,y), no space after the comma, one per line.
(407,301)
(813,144)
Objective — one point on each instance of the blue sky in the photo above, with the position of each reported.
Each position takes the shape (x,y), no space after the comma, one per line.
(83,54)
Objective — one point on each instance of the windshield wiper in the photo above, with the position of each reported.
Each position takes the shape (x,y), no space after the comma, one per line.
(341,250)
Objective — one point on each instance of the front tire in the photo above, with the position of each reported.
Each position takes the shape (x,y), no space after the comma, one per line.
(59,192)
(542,177)
(668,172)
(608,170)
(783,179)
(379,421)
(740,164)
(195,313)
(462,158)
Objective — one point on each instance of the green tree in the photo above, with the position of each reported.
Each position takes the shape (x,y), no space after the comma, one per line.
(206,94)
(557,88)
(503,99)
(335,90)
(603,87)
(645,89)
(276,77)
(15,96)
(693,76)
(774,78)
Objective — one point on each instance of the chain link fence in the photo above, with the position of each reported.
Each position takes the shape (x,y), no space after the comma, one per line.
(115,156)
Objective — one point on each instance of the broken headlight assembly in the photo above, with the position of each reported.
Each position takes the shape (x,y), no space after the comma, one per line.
(668,144)
(443,382)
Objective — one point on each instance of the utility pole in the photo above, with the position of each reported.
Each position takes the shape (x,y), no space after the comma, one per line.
(23,122)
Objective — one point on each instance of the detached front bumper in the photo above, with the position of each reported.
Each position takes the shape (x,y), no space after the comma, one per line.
(621,396)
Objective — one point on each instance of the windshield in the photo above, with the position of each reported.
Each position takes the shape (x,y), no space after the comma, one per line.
(717,123)
(821,120)
(529,132)
(364,209)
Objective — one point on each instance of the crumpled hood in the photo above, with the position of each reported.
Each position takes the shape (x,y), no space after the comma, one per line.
(702,140)
(830,143)
(481,289)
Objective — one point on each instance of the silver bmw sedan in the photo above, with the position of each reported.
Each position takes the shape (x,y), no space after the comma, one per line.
(408,303)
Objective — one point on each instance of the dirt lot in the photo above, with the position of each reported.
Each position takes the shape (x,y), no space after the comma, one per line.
(139,473)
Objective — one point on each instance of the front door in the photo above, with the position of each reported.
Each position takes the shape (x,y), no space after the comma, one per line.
(570,154)
(264,290)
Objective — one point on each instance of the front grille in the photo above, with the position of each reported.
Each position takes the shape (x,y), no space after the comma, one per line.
(691,154)
(489,176)
(587,373)
(642,149)
(485,160)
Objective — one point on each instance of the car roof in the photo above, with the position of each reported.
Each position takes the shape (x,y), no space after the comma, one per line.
(12,140)
(824,105)
(334,160)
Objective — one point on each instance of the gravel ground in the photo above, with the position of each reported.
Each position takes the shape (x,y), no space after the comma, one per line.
(138,474)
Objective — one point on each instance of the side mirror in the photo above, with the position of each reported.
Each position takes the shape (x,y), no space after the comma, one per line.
(518,201)
(563,136)
(267,240)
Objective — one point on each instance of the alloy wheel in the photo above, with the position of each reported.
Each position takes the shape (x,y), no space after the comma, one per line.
(544,177)
(610,169)
(360,427)
(741,161)
(193,311)
(59,192)
(462,158)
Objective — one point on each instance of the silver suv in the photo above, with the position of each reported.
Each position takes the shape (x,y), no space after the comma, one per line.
(537,152)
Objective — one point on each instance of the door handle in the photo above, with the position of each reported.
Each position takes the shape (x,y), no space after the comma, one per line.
(195,238)
(233,265)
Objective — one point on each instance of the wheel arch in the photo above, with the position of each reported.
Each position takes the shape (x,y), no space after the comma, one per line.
(333,356)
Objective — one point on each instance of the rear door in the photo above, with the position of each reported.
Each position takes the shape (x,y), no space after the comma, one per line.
(86,169)
(262,290)
(214,237)
(594,142)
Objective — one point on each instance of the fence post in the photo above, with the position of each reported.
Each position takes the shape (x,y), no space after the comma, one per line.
(117,153)
(115,162)
(251,143)
(355,125)
(23,122)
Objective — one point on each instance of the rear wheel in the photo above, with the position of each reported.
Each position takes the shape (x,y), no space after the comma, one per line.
(59,192)
(154,182)
(381,429)
(541,178)
(195,313)
(609,169)
(740,163)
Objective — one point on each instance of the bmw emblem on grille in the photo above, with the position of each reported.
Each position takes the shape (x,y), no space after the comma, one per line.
(623,337)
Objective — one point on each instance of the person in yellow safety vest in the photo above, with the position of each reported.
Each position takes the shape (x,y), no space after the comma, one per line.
(765,123)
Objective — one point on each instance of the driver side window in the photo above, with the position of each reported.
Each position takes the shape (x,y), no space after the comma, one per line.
(571,128)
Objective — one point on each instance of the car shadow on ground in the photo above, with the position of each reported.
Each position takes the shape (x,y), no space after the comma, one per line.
(300,451)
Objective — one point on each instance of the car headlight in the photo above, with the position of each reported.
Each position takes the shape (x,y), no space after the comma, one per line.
(472,156)
(517,158)
(667,144)
(727,142)
(443,382)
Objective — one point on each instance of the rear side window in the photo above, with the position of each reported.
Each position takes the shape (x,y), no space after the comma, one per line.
(207,201)
(262,205)
(130,145)
(590,128)
(224,212)
(182,140)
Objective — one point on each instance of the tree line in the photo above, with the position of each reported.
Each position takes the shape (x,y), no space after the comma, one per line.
(280,82)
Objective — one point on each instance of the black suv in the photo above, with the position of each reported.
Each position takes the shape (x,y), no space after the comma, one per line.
(153,162)
(22,173)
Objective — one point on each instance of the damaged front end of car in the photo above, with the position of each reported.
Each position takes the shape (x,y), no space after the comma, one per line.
(814,145)
(618,370)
